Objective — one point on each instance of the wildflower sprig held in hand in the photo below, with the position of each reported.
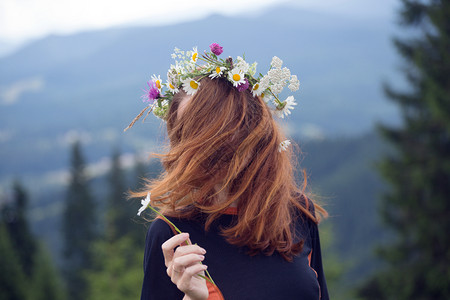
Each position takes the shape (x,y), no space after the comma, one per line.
(190,68)
(146,204)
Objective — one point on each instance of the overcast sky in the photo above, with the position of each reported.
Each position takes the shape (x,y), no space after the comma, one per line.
(21,20)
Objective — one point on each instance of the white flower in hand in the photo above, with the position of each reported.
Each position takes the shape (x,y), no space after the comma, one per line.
(145,203)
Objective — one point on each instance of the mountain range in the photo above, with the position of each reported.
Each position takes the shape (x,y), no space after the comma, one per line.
(88,85)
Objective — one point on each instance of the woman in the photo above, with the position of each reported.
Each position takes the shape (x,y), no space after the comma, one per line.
(229,187)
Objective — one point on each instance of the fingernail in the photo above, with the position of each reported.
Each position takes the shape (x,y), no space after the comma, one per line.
(202,257)
(203,251)
(185,234)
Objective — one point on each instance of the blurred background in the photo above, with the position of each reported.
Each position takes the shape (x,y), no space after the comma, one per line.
(71,77)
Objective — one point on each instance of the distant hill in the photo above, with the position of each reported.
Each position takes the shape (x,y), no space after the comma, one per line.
(88,85)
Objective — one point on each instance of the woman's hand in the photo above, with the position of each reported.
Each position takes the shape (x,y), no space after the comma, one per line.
(183,266)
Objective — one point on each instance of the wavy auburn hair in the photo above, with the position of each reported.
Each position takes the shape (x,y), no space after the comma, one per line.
(227,141)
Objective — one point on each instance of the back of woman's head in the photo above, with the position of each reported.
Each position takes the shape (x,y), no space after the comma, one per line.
(220,132)
(226,141)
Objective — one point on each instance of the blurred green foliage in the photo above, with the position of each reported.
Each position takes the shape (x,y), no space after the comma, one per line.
(117,272)
(26,270)
(80,224)
(416,207)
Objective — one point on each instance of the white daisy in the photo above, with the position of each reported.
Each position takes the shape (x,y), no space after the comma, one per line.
(190,86)
(276,63)
(259,87)
(236,77)
(157,81)
(194,55)
(257,90)
(284,145)
(285,108)
(171,87)
(217,72)
(145,203)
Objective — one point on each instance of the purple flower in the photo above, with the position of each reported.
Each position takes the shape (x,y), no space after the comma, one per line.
(152,93)
(243,86)
(216,48)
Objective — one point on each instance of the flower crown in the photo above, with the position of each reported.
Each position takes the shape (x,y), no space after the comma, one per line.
(187,73)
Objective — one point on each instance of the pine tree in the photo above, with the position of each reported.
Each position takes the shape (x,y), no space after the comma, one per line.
(24,272)
(417,206)
(22,238)
(118,257)
(12,278)
(79,227)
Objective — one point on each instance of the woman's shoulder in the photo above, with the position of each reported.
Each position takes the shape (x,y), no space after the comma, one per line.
(159,230)
(306,203)
(162,227)
(303,222)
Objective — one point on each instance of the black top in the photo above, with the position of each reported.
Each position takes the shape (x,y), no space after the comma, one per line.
(238,275)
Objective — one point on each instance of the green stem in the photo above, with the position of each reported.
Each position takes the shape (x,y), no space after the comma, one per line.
(209,278)
(165,219)
(211,60)
(276,98)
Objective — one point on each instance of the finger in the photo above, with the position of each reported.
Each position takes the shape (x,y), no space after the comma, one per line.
(190,273)
(194,270)
(169,246)
(179,264)
(184,250)
(176,274)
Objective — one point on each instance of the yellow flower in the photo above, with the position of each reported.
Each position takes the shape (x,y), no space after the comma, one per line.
(217,72)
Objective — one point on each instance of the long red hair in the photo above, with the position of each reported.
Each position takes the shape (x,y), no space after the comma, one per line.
(226,140)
